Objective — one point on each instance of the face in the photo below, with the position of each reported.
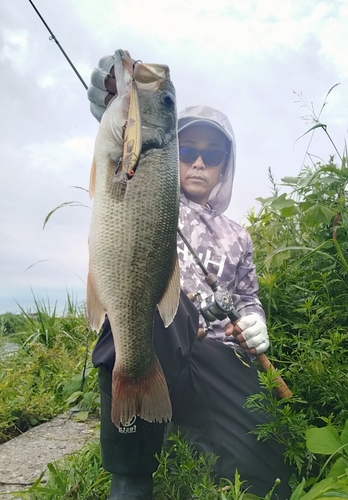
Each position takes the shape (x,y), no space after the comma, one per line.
(197,179)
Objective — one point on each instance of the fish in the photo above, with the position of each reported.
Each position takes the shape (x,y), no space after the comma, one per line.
(133,265)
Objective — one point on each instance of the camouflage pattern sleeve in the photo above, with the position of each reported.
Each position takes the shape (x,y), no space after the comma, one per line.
(226,250)
(245,288)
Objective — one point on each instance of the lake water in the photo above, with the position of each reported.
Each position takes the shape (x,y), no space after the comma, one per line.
(7,349)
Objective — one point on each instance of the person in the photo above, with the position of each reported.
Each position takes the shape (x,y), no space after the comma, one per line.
(209,372)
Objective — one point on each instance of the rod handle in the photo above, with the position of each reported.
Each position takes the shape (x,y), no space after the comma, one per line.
(282,389)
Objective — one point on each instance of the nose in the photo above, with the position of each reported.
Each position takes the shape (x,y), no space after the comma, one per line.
(198,163)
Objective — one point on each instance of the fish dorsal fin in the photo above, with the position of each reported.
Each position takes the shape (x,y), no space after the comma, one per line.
(168,305)
(92,178)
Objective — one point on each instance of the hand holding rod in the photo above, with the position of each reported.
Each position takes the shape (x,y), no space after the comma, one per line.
(234,316)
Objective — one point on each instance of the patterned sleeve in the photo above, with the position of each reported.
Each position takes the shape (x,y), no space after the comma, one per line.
(246,287)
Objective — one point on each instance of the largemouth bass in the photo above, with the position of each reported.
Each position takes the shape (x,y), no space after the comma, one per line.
(133,264)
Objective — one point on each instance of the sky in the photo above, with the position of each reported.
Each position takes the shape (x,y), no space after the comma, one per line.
(267,65)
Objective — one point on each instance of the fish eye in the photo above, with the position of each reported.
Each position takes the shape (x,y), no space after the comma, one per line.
(168,99)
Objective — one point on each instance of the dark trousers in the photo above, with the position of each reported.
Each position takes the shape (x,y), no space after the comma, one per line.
(208,386)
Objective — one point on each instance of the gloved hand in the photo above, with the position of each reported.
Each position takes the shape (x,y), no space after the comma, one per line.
(102,87)
(251,333)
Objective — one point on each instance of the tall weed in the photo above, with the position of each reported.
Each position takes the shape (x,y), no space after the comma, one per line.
(34,379)
(301,251)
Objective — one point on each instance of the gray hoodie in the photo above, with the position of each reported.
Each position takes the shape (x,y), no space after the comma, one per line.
(224,246)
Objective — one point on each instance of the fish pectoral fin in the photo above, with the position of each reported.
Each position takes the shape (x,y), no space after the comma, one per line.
(168,305)
(95,310)
(146,397)
(92,178)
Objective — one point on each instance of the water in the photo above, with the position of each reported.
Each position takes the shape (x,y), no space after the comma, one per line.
(7,349)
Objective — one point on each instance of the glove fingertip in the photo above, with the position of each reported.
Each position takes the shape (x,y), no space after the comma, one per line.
(106,63)
(97,111)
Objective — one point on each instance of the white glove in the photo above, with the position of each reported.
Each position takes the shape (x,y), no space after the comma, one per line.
(254,332)
(97,91)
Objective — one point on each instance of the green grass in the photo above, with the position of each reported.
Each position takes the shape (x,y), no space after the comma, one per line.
(37,379)
(182,475)
(301,251)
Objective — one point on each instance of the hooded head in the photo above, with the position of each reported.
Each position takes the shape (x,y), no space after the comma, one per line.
(205,116)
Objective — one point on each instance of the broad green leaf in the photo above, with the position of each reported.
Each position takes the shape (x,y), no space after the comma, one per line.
(305,205)
(279,258)
(319,489)
(81,416)
(266,201)
(344,434)
(338,468)
(328,244)
(73,397)
(88,397)
(328,180)
(324,440)
(282,202)
(290,180)
(288,211)
(298,492)
(320,213)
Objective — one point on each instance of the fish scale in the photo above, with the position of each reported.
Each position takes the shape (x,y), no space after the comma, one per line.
(132,243)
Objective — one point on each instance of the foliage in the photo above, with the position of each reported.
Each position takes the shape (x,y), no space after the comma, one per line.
(301,251)
(12,323)
(182,475)
(327,441)
(34,379)
(82,393)
(79,476)
(287,426)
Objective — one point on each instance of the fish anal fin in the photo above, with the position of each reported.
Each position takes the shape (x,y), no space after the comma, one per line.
(92,178)
(95,310)
(168,305)
(146,397)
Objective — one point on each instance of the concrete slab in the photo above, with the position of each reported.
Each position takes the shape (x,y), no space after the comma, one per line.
(23,458)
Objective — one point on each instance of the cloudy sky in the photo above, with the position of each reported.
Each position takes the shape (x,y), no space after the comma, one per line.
(250,59)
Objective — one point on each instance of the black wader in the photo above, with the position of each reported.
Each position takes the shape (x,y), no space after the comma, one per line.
(208,386)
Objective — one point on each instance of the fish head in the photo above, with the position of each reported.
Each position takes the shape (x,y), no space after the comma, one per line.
(157,101)
(156,116)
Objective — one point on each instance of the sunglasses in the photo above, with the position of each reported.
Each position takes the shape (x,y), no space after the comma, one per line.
(210,157)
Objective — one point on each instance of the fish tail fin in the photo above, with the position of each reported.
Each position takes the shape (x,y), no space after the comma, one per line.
(146,397)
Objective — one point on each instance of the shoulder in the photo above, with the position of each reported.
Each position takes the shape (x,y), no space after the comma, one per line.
(237,229)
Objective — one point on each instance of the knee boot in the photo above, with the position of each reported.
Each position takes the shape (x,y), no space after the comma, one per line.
(131,487)
(128,451)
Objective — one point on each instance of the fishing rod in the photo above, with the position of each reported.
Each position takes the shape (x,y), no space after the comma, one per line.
(52,37)
(219,306)
(221,303)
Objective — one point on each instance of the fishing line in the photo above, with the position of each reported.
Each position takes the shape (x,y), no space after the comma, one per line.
(52,37)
